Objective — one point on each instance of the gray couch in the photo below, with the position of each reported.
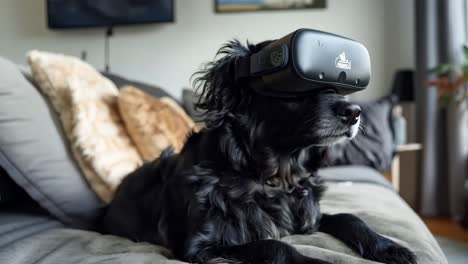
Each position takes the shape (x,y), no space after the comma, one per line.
(51,219)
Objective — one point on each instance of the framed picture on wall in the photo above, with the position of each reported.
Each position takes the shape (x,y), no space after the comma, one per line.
(223,6)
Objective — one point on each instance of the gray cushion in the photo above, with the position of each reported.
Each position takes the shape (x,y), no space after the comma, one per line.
(34,154)
(150,89)
(34,240)
(355,174)
(374,145)
(189,98)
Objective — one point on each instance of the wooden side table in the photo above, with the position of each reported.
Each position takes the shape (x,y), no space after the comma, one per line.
(393,175)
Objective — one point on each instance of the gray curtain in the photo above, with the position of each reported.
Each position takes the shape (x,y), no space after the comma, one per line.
(441,27)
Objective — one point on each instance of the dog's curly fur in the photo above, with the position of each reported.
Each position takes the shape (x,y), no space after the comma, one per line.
(246,180)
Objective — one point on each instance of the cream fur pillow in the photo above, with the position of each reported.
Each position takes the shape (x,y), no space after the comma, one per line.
(153,123)
(87,105)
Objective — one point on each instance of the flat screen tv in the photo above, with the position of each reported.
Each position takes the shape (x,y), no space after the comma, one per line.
(107,13)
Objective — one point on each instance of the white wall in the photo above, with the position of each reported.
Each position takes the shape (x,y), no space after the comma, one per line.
(168,54)
(399,37)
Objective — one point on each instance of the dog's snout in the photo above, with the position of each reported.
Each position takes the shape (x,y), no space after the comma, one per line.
(349,113)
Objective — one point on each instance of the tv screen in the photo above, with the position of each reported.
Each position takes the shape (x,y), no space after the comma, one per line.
(106,13)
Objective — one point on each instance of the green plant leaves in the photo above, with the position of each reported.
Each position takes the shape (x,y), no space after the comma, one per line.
(464,69)
(445,100)
(442,69)
(465,52)
(450,79)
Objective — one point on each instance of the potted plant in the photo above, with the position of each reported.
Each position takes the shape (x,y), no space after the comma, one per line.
(452,80)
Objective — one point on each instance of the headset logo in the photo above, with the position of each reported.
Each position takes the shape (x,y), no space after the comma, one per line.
(342,63)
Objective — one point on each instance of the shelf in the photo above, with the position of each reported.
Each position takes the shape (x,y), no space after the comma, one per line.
(409,147)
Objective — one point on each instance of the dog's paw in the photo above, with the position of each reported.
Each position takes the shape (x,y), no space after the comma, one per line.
(394,254)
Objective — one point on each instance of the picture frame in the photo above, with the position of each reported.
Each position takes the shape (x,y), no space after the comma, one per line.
(232,6)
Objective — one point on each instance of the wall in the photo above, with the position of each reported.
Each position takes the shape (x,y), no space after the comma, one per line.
(168,54)
(399,37)
(400,54)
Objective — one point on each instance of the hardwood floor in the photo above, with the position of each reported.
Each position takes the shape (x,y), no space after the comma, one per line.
(445,227)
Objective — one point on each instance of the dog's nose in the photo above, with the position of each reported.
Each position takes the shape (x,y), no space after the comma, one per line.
(349,113)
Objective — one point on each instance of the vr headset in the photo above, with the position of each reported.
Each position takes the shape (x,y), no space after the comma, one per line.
(306,61)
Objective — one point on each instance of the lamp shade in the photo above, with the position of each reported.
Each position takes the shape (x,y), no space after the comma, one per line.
(403,85)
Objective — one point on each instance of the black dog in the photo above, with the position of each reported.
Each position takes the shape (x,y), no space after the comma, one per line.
(246,180)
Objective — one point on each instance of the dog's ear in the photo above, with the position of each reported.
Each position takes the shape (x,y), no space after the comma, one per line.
(220,95)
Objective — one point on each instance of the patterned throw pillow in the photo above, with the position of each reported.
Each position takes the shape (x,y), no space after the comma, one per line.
(87,105)
(153,123)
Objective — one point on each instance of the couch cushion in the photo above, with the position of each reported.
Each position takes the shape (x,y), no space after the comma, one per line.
(34,153)
(87,105)
(150,89)
(379,207)
(189,98)
(374,146)
(153,123)
(354,174)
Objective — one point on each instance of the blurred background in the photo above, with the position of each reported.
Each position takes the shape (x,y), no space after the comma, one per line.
(417,48)
(169,53)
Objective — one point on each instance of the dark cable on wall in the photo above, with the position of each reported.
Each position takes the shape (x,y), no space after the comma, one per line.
(109,33)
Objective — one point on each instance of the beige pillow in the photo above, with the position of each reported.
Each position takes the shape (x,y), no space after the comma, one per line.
(154,123)
(87,105)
